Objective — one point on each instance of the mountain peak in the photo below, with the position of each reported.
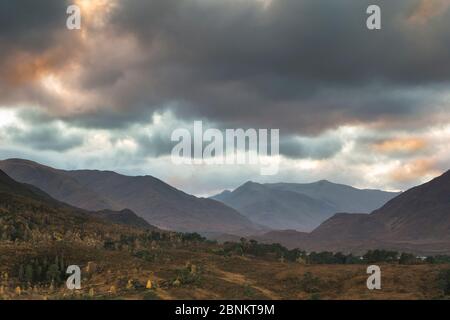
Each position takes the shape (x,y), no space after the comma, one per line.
(250,185)
(302,206)
(323,181)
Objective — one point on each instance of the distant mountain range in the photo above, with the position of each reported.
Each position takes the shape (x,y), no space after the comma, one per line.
(301,207)
(417,220)
(155,201)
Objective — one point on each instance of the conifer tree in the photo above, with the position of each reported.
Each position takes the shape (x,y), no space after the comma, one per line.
(29,273)
(21,272)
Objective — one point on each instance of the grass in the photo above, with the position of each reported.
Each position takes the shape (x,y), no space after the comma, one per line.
(233,277)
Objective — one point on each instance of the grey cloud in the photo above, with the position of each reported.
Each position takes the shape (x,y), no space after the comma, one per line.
(300,65)
(303,66)
(33,39)
(154,145)
(313,148)
(50,138)
(30,24)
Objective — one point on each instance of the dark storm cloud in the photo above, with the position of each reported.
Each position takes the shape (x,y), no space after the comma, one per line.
(303,66)
(300,65)
(30,24)
(30,27)
(110,119)
(32,41)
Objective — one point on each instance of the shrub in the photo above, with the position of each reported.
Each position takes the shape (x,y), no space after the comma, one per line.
(373,256)
(444,281)
(309,283)
(407,258)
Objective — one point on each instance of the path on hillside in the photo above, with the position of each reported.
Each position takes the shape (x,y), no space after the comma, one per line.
(240,279)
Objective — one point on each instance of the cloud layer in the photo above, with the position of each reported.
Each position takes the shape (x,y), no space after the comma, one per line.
(371,103)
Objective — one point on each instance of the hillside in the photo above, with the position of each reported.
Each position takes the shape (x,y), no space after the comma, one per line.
(125,217)
(29,214)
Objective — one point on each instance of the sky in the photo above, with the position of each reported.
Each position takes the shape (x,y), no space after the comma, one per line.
(365,108)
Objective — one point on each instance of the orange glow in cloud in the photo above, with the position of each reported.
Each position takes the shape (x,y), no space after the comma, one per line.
(54,70)
(428,9)
(94,13)
(415,170)
(25,67)
(402,145)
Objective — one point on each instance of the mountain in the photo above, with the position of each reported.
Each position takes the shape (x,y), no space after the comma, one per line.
(58,185)
(277,209)
(26,211)
(150,198)
(24,193)
(300,207)
(342,197)
(417,220)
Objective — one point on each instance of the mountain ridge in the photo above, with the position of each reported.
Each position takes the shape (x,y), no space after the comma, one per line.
(300,206)
(157,202)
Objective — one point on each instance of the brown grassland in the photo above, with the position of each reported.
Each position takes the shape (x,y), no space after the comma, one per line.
(40,237)
(194,271)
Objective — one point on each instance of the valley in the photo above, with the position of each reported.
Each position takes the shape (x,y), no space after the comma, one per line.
(122,256)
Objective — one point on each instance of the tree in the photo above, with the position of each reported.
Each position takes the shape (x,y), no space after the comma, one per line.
(53,273)
(29,273)
(21,273)
(373,256)
(407,258)
(444,281)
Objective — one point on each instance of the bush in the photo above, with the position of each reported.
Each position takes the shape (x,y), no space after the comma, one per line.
(146,255)
(373,256)
(315,296)
(249,291)
(309,283)
(150,295)
(444,281)
(407,258)
(188,276)
(439,259)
